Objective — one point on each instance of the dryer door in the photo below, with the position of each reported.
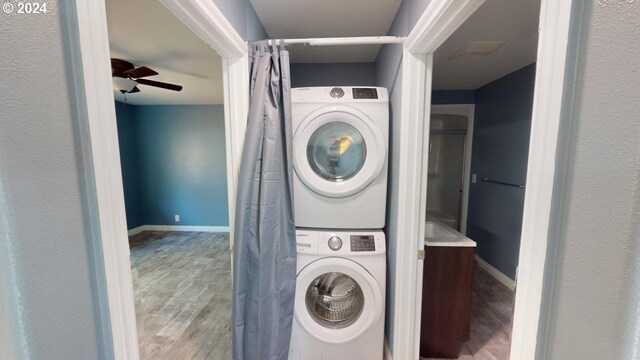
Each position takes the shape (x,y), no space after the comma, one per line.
(337,300)
(338,151)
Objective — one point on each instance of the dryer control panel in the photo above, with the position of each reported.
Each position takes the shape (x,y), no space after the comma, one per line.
(365,93)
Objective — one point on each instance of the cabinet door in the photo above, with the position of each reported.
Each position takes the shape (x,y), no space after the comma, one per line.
(446,300)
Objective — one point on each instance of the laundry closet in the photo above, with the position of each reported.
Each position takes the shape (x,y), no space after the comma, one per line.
(340,125)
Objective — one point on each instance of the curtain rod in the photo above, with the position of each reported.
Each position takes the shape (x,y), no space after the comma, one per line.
(361,40)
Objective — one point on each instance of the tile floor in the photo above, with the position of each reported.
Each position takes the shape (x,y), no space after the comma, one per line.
(492,313)
(181,313)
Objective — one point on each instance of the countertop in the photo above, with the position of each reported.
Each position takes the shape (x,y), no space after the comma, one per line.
(437,233)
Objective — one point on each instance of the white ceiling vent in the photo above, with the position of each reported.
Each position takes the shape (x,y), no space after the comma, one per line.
(475,50)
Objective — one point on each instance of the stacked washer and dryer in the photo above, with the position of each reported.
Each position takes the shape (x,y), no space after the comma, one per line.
(340,147)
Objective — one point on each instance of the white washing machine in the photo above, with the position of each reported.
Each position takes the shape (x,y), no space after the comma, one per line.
(340,147)
(340,296)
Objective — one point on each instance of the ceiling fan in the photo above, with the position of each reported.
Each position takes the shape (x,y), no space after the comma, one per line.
(128,77)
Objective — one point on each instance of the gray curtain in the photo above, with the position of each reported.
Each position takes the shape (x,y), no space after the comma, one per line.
(265,250)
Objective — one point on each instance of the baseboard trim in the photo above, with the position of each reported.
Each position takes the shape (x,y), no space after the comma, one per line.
(387,351)
(136,230)
(142,228)
(497,274)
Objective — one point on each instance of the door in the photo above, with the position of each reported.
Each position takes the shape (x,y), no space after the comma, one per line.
(336,300)
(338,151)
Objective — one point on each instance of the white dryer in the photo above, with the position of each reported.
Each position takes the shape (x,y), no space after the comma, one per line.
(340,296)
(340,147)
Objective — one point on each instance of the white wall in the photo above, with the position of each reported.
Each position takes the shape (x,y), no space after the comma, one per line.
(43,213)
(593,292)
(7,330)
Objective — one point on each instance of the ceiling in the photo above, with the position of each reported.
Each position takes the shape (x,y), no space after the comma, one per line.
(514,22)
(327,18)
(144,32)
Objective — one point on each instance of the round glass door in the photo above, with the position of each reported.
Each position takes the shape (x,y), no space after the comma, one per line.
(334,300)
(336,151)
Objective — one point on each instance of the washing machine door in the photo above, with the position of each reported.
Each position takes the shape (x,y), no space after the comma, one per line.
(337,300)
(338,151)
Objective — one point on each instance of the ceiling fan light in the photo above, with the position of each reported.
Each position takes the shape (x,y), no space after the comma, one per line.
(123,84)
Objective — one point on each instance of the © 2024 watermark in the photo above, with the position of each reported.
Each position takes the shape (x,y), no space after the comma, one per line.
(21,7)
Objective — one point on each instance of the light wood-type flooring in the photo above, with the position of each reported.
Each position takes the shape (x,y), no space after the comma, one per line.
(491,320)
(182,285)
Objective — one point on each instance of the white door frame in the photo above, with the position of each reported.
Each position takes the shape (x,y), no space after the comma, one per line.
(439,21)
(206,21)
(468,111)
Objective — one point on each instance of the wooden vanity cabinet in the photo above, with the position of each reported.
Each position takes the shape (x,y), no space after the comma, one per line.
(446,300)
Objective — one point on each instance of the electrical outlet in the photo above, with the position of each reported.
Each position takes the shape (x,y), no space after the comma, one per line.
(177,217)
(474,178)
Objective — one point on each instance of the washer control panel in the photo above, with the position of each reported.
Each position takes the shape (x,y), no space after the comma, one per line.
(335,243)
(363,243)
(340,243)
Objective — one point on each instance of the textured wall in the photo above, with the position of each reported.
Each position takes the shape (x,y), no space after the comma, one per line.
(338,74)
(181,156)
(592,306)
(125,116)
(502,127)
(44,240)
(388,69)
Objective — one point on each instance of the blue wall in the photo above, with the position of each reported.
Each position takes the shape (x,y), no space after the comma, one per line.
(125,115)
(330,74)
(180,157)
(500,151)
(388,69)
(243,18)
(445,97)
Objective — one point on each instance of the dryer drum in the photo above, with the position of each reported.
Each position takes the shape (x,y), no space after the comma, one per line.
(334,300)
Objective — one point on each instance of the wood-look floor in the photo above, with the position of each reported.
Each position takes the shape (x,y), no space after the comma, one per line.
(491,320)
(182,284)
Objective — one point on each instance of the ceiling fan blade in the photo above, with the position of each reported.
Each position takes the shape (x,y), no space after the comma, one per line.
(134,90)
(159,84)
(140,72)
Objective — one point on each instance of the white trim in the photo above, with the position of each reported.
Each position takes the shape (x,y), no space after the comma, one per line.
(555,17)
(206,20)
(387,352)
(411,208)
(439,21)
(101,118)
(497,274)
(467,110)
(236,96)
(136,230)
(139,229)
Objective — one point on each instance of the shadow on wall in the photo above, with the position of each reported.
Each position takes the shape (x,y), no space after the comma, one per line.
(332,74)
(173,162)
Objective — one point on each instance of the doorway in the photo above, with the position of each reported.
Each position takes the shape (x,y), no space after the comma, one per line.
(168,90)
(447,164)
(476,183)
(108,219)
